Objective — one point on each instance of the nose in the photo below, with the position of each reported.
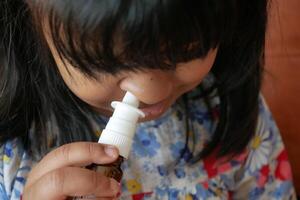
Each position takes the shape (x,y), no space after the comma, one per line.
(149,87)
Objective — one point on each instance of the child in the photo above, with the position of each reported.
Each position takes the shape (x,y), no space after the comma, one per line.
(195,66)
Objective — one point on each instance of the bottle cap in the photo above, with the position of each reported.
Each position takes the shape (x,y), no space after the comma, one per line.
(121,126)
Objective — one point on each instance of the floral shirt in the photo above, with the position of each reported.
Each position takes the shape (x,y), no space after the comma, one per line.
(154,170)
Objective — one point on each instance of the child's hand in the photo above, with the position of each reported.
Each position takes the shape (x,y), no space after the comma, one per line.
(60,174)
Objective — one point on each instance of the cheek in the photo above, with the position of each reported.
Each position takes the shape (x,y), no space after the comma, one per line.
(193,72)
(90,91)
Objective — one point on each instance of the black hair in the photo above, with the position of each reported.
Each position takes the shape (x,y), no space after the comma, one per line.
(109,36)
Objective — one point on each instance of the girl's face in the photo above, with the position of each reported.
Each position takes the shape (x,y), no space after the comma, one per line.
(156,89)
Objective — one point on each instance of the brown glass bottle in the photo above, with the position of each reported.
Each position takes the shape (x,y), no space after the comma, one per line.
(111,170)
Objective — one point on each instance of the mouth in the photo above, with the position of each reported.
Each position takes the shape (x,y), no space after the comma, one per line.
(154,110)
(151,111)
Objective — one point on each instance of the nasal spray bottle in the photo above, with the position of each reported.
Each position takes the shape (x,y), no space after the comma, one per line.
(119,132)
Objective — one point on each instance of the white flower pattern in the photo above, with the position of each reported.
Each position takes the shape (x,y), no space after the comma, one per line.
(260,148)
(150,172)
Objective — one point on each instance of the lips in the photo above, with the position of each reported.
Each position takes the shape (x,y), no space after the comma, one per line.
(154,109)
(151,111)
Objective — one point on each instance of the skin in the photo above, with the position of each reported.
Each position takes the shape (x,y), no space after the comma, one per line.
(151,87)
(61,172)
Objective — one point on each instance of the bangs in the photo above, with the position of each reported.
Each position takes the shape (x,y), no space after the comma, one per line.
(128,35)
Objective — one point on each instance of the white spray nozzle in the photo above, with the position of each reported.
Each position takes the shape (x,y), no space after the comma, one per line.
(130,99)
(121,126)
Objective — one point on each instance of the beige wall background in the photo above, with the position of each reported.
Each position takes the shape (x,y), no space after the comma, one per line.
(281,86)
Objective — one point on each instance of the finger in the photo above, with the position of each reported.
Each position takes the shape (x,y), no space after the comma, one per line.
(94,198)
(73,154)
(72,181)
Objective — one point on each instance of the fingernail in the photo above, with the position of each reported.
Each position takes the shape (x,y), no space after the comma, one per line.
(110,151)
(116,187)
(118,195)
(120,191)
